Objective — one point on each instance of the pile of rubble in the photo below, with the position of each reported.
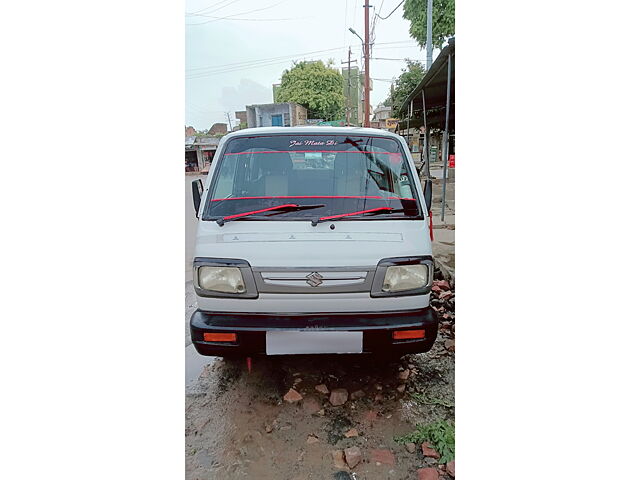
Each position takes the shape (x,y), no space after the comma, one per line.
(443,301)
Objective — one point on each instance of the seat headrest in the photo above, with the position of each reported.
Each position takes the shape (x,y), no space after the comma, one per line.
(277,164)
(349,162)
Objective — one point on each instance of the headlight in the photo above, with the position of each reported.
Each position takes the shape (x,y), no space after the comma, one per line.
(221,279)
(399,278)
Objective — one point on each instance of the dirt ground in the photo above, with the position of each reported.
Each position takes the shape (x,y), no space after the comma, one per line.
(238,424)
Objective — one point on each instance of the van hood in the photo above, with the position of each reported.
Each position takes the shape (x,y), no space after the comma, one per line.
(299,244)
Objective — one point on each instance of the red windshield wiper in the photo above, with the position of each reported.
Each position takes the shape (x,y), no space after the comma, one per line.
(360,212)
(286,207)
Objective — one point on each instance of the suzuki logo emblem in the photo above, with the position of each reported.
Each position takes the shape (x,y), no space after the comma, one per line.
(314,279)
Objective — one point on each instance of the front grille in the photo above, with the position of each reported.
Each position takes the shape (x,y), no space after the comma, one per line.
(314,280)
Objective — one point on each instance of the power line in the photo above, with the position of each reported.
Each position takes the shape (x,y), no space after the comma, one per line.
(212,6)
(384,18)
(402,59)
(245,67)
(197,70)
(344,31)
(207,8)
(248,67)
(398,47)
(237,14)
(254,63)
(216,70)
(251,20)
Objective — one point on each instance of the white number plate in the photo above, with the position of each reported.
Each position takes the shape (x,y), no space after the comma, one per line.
(303,342)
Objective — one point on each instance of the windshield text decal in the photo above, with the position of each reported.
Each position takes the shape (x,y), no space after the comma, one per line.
(314,143)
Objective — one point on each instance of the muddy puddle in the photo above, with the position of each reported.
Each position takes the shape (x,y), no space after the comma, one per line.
(195,365)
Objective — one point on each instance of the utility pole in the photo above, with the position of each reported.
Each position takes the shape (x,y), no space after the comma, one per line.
(348,102)
(367,81)
(229,119)
(429,42)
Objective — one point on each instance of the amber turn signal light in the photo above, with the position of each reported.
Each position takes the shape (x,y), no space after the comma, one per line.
(408,334)
(220,337)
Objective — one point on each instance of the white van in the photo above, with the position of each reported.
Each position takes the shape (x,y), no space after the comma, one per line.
(312,240)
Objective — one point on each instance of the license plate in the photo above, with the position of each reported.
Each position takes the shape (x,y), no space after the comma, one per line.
(303,342)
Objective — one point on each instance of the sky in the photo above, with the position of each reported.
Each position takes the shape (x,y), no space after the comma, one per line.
(233,62)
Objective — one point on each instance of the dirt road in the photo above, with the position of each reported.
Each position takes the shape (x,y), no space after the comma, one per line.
(239,426)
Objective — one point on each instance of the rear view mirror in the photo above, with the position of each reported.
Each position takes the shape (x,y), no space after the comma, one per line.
(196,190)
(428,189)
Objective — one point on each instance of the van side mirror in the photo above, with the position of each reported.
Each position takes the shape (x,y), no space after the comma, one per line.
(196,190)
(428,189)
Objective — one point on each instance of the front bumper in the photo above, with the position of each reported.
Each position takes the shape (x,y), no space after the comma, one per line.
(377,329)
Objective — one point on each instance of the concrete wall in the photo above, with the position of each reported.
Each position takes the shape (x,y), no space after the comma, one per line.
(218,128)
(260,115)
(298,115)
(251,117)
(242,116)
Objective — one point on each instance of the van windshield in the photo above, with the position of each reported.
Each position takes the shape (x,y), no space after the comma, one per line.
(337,174)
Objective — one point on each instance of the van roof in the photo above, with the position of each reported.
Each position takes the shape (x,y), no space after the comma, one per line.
(312,130)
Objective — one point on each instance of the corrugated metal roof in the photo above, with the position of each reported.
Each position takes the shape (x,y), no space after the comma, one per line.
(434,82)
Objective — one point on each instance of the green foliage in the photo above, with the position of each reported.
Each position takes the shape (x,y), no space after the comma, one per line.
(314,86)
(404,85)
(440,435)
(443,20)
(423,399)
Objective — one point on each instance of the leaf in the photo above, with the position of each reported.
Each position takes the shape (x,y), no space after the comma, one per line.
(443,20)
(317,87)
(441,435)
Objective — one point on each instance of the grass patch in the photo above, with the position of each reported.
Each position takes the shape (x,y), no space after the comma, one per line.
(440,435)
(423,399)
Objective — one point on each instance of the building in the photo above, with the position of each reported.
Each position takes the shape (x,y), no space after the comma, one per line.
(242,117)
(353,90)
(382,119)
(189,132)
(381,113)
(218,128)
(199,152)
(276,115)
(275,87)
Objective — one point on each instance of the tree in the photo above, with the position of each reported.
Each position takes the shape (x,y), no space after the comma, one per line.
(443,20)
(404,85)
(315,86)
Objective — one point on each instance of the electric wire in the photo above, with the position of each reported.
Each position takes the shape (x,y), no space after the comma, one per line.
(207,8)
(258,63)
(212,6)
(198,70)
(239,14)
(392,11)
